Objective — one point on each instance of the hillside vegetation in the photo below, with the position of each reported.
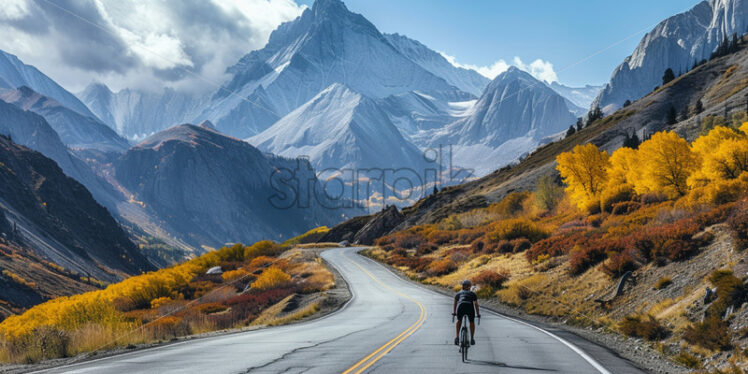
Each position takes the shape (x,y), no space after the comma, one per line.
(672,212)
(181,300)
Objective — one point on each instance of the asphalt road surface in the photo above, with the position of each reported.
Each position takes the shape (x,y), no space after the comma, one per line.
(389,326)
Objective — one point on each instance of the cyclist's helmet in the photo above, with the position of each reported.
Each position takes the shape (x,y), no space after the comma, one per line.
(466,283)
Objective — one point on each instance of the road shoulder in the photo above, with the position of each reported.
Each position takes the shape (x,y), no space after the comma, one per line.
(616,353)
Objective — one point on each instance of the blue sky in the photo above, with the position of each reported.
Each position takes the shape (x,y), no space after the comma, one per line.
(480,32)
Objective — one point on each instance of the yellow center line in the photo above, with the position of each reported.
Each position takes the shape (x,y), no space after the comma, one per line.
(380,352)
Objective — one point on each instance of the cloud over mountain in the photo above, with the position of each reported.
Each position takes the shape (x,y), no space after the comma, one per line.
(132,43)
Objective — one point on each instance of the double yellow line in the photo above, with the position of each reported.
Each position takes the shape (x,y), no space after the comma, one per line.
(380,352)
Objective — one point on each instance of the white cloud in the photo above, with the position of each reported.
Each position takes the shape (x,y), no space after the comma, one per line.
(139,43)
(540,69)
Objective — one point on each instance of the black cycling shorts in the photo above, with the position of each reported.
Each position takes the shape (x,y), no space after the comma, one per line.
(465,309)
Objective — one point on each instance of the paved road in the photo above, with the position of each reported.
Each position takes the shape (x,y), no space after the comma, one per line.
(389,326)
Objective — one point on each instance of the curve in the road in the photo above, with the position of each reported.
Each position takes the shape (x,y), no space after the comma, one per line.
(390,325)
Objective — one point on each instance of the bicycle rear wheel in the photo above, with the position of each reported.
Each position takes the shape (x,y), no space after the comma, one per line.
(465,344)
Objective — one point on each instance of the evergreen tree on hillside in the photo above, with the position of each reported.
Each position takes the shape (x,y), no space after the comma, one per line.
(595,114)
(571,131)
(626,103)
(580,124)
(672,116)
(632,141)
(668,76)
(699,107)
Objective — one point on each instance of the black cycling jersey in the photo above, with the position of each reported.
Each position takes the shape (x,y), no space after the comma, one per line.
(466,297)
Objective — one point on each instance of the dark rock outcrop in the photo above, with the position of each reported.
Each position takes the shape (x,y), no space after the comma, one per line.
(55,211)
(380,224)
(346,230)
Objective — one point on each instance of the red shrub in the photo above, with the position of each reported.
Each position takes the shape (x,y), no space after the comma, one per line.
(672,241)
(619,263)
(491,278)
(717,215)
(417,264)
(556,245)
(582,258)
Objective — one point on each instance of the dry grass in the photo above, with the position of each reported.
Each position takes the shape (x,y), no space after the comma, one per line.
(274,316)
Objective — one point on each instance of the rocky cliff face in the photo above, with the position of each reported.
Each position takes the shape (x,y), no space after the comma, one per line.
(58,218)
(675,43)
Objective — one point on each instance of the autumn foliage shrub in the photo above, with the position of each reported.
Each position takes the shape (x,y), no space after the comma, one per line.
(625,207)
(611,196)
(619,263)
(647,328)
(556,245)
(521,245)
(712,333)
(672,241)
(440,237)
(408,240)
(491,278)
(426,248)
(468,236)
(417,264)
(210,308)
(272,277)
(441,267)
(512,204)
(517,228)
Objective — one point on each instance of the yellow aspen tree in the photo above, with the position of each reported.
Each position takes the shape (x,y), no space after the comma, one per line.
(728,161)
(667,163)
(744,128)
(584,170)
(709,143)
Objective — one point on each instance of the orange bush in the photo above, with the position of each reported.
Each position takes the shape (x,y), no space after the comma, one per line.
(441,267)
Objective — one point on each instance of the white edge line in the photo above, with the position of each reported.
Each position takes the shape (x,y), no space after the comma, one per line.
(571,346)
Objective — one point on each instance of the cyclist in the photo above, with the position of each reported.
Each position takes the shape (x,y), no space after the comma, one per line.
(466,303)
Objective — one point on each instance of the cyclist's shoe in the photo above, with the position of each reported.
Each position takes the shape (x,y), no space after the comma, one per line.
(457,341)
(472,341)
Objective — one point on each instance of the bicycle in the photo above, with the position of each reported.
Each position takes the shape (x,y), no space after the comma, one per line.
(464,337)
